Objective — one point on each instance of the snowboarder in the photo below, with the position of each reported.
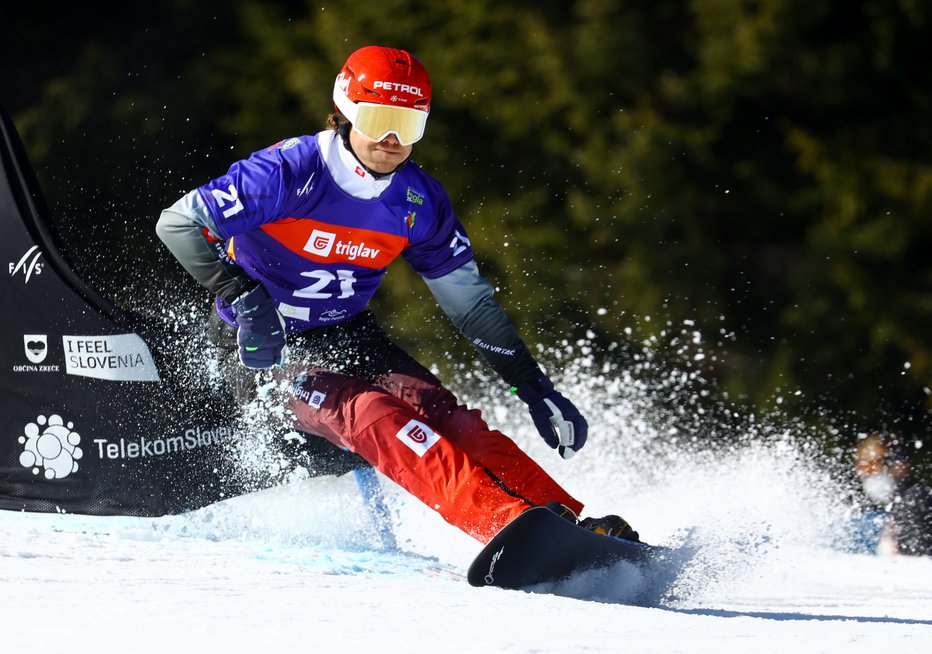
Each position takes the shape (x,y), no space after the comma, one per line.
(295,240)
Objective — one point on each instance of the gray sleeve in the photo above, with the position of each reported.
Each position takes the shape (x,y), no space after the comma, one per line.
(181,228)
(466,297)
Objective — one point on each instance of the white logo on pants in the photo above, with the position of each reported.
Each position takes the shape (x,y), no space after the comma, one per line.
(418,437)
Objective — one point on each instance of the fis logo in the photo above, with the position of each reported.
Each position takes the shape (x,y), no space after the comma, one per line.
(308,186)
(459,243)
(28,265)
(50,446)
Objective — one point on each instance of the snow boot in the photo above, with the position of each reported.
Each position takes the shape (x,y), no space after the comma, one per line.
(611,525)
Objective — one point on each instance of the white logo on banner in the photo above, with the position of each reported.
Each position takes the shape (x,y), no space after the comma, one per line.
(418,437)
(140,447)
(50,446)
(36,346)
(116,357)
(28,264)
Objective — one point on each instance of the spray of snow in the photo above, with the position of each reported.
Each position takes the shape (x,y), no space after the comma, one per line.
(728,491)
(725,489)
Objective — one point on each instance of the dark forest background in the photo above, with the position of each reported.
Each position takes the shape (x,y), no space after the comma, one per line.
(757,171)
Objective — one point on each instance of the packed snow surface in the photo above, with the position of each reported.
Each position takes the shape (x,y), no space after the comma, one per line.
(774,561)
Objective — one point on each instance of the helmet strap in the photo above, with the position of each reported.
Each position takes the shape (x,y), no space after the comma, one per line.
(344,131)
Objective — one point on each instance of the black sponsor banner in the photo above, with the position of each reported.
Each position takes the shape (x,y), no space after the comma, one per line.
(100,412)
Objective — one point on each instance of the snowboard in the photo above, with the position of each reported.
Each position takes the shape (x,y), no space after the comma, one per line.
(539,546)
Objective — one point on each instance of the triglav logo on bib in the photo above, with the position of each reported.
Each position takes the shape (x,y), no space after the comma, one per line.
(320,243)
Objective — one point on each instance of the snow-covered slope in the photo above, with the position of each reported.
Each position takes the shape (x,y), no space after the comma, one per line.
(279,571)
(301,567)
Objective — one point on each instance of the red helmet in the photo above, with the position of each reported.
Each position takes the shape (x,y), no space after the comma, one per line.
(384,91)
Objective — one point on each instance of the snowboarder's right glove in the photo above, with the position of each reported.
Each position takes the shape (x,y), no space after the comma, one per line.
(260,329)
(558,421)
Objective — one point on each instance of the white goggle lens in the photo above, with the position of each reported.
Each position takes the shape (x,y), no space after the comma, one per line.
(377,121)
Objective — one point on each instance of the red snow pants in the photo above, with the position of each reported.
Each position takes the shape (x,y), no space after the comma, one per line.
(362,392)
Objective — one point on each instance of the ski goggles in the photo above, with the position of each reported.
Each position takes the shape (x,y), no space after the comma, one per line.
(377,121)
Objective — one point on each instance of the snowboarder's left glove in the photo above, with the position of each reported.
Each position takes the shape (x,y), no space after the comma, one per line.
(260,329)
(558,421)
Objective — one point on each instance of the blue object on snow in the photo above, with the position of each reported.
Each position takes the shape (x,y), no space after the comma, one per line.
(372,495)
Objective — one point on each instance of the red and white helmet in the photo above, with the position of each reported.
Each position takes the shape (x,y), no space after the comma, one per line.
(384,91)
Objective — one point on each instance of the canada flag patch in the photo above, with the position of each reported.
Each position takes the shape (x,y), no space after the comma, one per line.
(418,437)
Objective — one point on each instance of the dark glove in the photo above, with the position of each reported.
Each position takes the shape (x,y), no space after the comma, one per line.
(558,421)
(260,329)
